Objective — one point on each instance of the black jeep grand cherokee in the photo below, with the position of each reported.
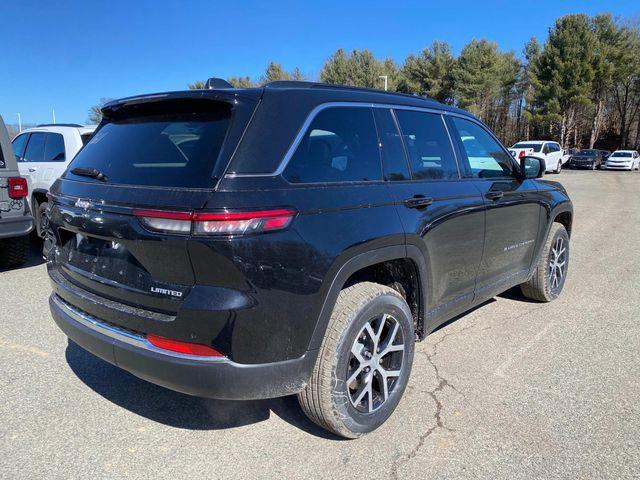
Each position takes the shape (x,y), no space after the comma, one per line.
(292,239)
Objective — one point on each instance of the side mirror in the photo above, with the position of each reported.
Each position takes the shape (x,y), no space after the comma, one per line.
(532,167)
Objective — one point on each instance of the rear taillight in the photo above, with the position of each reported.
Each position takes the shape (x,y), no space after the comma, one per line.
(186,348)
(216,223)
(17,187)
(165,221)
(521,154)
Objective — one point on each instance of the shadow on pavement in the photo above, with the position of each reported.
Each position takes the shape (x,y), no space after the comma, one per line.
(176,409)
(515,294)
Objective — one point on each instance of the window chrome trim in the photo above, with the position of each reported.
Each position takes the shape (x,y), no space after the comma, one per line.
(121,335)
(312,115)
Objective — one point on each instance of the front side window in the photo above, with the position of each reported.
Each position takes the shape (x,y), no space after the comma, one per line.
(54,148)
(35,147)
(428,145)
(486,157)
(340,145)
(19,143)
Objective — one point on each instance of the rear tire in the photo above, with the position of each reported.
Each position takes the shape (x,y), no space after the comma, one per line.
(13,251)
(548,278)
(370,342)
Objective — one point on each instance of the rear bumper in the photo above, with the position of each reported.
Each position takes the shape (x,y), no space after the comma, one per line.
(211,377)
(16,227)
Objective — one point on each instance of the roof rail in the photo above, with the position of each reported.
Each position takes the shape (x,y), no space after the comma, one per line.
(215,82)
(305,84)
(75,125)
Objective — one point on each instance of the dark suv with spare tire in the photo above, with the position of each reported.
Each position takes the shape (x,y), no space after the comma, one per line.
(292,239)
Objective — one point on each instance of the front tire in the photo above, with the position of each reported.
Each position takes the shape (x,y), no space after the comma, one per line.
(364,363)
(558,167)
(548,278)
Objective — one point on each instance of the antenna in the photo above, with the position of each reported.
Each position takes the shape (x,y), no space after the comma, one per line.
(214,82)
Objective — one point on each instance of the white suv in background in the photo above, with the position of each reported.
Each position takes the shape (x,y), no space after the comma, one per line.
(547,150)
(623,160)
(43,154)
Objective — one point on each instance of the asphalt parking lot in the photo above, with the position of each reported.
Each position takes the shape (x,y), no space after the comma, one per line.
(513,389)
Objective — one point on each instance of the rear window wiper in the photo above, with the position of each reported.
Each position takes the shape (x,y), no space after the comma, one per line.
(89,172)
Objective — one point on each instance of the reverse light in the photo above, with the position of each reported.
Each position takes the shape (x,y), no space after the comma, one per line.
(186,348)
(17,187)
(165,221)
(217,223)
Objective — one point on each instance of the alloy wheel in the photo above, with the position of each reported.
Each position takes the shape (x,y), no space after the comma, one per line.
(375,363)
(557,263)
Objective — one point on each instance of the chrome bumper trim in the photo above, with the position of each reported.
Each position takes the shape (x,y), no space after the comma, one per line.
(130,338)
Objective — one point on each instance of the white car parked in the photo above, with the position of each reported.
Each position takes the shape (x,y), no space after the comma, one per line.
(623,160)
(43,154)
(547,150)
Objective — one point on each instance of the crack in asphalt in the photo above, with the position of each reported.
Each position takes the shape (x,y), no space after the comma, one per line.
(442,383)
(439,423)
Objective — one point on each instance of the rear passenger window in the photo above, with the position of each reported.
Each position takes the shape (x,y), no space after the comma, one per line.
(340,145)
(18,144)
(428,145)
(35,148)
(486,158)
(54,149)
(394,163)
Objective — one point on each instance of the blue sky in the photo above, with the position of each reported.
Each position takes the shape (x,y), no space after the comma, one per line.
(68,54)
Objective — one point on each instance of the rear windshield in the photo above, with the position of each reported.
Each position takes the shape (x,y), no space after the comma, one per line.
(170,150)
(536,146)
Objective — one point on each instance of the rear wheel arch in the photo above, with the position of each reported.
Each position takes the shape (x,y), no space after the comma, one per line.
(410,267)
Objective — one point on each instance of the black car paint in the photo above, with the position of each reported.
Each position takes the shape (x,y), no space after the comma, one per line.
(587,159)
(266,299)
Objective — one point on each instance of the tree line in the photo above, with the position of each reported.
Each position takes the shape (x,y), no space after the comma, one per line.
(581,87)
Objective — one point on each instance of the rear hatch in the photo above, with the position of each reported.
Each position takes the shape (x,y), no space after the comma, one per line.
(159,153)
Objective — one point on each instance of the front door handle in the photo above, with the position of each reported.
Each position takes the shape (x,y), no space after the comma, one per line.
(497,195)
(31,169)
(418,201)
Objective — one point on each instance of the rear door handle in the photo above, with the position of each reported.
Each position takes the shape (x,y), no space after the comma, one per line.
(418,201)
(497,195)
(31,169)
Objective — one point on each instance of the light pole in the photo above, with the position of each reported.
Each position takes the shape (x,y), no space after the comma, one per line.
(386,81)
(19,122)
(53,111)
